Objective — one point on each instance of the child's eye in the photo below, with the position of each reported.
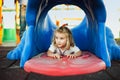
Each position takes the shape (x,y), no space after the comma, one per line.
(56,37)
(61,38)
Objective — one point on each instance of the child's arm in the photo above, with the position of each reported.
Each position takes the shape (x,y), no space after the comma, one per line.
(78,53)
(52,54)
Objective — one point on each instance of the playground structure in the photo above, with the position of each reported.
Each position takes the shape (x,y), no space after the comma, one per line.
(9,34)
(91,35)
(0,22)
(17,19)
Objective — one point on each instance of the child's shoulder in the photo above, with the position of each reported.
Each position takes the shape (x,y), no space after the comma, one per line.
(74,47)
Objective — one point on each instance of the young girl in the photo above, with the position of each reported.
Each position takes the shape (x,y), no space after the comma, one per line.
(63,44)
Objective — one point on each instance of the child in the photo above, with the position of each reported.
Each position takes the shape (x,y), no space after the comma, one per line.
(63,44)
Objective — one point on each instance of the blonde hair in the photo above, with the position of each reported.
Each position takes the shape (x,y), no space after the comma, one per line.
(63,29)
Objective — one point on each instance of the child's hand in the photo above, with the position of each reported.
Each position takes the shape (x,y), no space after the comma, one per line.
(56,55)
(53,54)
(73,55)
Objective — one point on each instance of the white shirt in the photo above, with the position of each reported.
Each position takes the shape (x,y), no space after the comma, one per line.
(72,50)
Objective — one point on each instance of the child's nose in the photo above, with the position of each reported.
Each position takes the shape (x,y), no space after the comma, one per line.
(58,40)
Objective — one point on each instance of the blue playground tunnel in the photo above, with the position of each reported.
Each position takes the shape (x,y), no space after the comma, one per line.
(91,35)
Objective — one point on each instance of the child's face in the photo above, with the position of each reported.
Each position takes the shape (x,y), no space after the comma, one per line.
(61,40)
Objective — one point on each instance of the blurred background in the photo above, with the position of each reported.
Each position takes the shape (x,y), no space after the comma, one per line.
(12,18)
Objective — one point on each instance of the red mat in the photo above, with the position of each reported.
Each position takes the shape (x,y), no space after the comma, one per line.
(87,63)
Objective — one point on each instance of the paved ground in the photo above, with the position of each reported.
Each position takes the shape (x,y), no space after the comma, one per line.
(9,70)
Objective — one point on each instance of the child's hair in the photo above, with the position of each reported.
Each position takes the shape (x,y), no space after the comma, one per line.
(67,32)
